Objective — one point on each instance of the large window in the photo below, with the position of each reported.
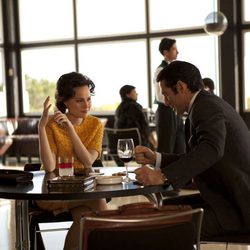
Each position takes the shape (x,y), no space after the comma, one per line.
(112,65)
(3,109)
(190,49)
(111,41)
(43,20)
(246,71)
(178,14)
(41,69)
(1,24)
(246,10)
(246,55)
(110,17)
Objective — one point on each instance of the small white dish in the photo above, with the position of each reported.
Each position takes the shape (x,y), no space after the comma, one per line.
(108,180)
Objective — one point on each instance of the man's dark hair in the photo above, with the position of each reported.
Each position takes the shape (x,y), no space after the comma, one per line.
(65,88)
(166,44)
(181,71)
(125,90)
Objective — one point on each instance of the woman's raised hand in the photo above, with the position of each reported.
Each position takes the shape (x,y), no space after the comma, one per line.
(45,115)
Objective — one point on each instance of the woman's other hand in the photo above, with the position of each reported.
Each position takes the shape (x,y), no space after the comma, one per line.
(62,119)
(148,176)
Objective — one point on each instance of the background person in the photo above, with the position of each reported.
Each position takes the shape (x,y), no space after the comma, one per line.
(217,155)
(71,132)
(129,114)
(169,127)
(208,84)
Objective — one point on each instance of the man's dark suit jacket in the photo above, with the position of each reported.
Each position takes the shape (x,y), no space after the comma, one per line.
(218,160)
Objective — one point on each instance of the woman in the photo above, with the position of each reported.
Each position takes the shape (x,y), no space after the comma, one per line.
(71,132)
(129,114)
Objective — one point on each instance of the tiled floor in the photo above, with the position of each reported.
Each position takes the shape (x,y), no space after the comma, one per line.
(55,240)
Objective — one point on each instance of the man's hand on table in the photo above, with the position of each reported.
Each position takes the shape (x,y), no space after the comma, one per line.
(148,176)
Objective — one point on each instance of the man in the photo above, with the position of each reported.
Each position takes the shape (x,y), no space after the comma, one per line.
(129,114)
(217,155)
(169,127)
(208,84)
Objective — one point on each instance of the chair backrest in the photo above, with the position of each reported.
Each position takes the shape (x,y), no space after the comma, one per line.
(97,163)
(32,166)
(113,134)
(141,226)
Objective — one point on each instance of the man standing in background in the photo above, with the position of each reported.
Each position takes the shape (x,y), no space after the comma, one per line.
(169,127)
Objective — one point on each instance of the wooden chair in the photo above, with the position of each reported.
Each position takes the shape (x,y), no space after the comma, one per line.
(142,226)
(111,136)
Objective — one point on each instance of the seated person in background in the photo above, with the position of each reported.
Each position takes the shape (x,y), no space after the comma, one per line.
(71,132)
(129,114)
(217,157)
(208,84)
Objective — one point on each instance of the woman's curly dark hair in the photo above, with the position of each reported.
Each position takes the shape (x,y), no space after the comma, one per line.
(65,88)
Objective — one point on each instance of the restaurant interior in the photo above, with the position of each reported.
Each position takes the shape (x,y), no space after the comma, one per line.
(113,42)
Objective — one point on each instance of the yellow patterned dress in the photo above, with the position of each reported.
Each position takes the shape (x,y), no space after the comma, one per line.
(90,131)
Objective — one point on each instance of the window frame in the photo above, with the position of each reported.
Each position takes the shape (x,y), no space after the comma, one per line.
(230,55)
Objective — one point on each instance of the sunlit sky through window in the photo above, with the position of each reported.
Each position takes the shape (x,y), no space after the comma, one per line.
(114,63)
(110,64)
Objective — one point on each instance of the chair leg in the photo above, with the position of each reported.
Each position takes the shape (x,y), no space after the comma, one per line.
(36,240)
(39,244)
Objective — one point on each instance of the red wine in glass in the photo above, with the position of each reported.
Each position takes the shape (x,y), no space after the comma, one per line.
(125,150)
(126,159)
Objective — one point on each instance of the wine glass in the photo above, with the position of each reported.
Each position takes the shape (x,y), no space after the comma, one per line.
(125,150)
